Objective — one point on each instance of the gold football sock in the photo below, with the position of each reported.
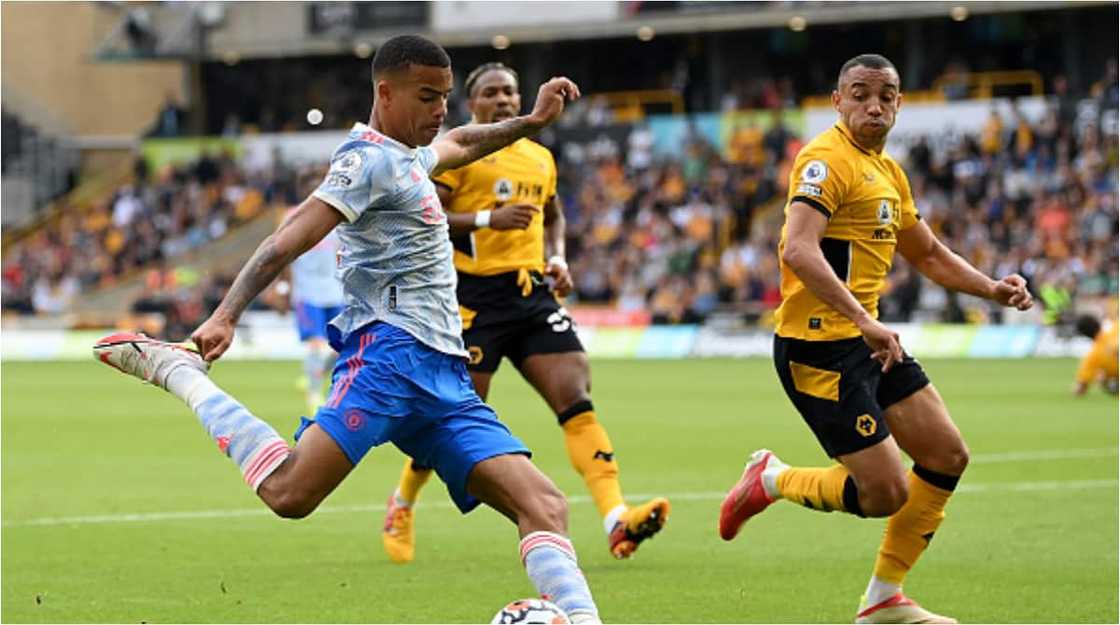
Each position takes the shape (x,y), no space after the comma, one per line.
(591,454)
(911,528)
(820,489)
(413,479)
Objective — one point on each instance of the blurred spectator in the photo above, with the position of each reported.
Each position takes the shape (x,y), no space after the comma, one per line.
(183,208)
(171,119)
(685,235)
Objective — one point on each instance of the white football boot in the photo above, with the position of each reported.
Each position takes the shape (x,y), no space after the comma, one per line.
(899,609)
(148,359)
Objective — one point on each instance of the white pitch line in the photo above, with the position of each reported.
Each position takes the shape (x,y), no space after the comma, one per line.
(576,499)
(1042,454)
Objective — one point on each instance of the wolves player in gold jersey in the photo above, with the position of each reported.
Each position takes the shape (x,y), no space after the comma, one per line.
(1100,364)
(849,208)
(503,213)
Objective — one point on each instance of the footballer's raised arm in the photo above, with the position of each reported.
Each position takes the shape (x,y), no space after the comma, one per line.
(468,143)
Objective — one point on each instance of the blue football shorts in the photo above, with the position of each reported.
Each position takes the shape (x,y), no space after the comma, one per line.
(387,386)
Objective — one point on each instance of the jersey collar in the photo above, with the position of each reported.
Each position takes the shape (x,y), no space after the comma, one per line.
(366,133)
(844,130)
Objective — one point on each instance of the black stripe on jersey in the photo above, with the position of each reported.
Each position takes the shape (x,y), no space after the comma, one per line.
(814,203)
(464,243)
(838,253)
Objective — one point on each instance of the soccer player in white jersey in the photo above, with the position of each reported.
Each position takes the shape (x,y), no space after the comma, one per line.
(401,375)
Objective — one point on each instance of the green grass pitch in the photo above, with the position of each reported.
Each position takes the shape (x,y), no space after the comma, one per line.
(117,508)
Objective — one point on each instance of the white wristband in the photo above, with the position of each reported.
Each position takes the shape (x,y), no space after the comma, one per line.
(482,219)
(558,261)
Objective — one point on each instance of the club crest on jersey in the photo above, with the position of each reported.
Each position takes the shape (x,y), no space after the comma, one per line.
(815,172)
(503,189)
(885,216)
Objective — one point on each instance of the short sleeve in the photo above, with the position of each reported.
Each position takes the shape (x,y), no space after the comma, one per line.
(909,210)
(352,185)
(816,179)
(427,157)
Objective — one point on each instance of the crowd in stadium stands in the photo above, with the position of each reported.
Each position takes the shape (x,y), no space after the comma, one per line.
(1039,199)
(682,237)
(157,217)
(675,236)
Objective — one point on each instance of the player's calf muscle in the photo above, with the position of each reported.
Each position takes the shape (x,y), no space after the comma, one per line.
(546,510)
(285,499)
(289,496)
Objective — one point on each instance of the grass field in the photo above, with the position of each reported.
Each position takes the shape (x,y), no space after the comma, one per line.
(117,508)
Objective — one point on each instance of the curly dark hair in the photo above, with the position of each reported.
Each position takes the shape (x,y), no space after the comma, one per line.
(1087,326)
(477,73)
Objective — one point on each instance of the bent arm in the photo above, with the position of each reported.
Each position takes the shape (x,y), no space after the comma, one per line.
(299,232)
(471,142)
(805,226)
(936,261)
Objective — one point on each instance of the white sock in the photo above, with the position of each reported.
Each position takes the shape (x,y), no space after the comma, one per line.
(192,386)
(399,501)
(770,478)
(612,517)
(252,444)
(879,591)
(551,564)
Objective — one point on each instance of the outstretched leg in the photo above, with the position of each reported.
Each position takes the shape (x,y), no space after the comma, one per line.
(291,482)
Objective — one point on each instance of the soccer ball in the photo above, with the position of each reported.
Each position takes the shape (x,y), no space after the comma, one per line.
(530,611)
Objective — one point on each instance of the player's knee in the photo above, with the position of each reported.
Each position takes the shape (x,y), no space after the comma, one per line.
(952,460)
(956,460)
(884,498)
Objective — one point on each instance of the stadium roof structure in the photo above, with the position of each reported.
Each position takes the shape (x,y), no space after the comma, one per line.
(209,31)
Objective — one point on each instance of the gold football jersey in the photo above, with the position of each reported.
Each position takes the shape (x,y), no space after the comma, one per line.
(866,197)
(1101,361)
(521,173)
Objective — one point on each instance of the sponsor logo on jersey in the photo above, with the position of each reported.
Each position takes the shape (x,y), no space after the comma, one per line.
(810,190)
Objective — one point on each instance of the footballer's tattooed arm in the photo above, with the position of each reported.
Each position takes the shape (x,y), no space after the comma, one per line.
(299,232)
(469,143)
